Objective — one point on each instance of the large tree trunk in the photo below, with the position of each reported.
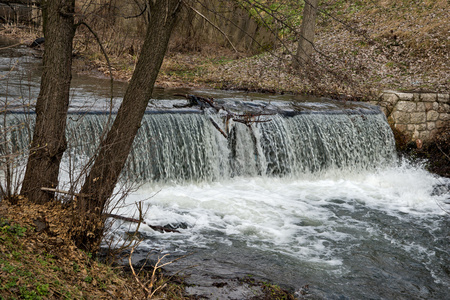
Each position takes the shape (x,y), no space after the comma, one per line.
(114,149)
(49,142)
(306,39)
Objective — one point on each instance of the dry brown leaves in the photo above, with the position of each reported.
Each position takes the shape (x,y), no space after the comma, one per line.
(49,235)
(398,45)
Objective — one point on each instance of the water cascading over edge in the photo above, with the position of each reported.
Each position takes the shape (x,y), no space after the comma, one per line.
(187,147)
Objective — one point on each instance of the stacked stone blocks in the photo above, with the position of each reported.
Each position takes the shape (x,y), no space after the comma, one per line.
(416,115)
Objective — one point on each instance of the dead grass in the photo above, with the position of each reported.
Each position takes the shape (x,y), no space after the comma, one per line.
(39,261)
(399,46)
(374,46)
(23,34)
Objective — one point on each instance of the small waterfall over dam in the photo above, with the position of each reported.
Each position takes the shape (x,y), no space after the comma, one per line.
(186,146)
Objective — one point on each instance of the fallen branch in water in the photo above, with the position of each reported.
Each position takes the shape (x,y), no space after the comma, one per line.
(249,118)
(149,283)
(133,220)
(245,118)
(197,101)
(218,127)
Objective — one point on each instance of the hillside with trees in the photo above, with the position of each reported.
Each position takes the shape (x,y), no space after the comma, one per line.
(360,48)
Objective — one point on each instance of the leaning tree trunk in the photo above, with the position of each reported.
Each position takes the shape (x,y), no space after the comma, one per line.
(114,149)
(306,39)
(49,142)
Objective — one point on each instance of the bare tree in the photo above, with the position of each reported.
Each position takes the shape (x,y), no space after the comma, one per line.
(306,38)
(114,149)
(49,141)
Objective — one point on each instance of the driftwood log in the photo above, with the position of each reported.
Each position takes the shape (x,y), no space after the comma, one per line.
(245,118)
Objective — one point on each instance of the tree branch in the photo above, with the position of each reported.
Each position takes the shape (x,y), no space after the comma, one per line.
(214,25)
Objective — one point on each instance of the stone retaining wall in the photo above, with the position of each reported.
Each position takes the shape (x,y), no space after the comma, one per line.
(416,115)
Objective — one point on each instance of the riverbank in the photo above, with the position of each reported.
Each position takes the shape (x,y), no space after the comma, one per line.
(38,261)
(368,49)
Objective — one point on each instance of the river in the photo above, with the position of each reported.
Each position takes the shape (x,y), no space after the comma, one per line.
(351,220)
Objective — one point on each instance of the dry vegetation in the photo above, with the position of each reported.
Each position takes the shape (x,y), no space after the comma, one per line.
(363,47)
(38,260)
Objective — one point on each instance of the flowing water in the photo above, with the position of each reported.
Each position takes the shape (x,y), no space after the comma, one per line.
(314,195)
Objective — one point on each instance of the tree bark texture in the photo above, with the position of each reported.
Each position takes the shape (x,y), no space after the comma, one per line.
(306,38)
(49,141)
(114,149)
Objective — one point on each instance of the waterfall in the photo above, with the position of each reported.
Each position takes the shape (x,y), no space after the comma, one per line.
(179,147)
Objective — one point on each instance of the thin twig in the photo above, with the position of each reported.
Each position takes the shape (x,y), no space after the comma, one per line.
(109,67)
(138,15)
(92,158)
(10,46)
(9,72)
(214,25)
(448,157)
(134,273)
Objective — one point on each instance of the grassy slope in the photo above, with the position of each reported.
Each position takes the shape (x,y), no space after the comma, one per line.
(46,264)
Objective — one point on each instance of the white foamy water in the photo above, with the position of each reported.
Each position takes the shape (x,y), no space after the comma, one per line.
(317,223)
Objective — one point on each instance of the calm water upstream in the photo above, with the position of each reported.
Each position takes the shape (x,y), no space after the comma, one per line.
(318,198)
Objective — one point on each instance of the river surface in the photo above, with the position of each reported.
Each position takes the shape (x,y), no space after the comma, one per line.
(348,232)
